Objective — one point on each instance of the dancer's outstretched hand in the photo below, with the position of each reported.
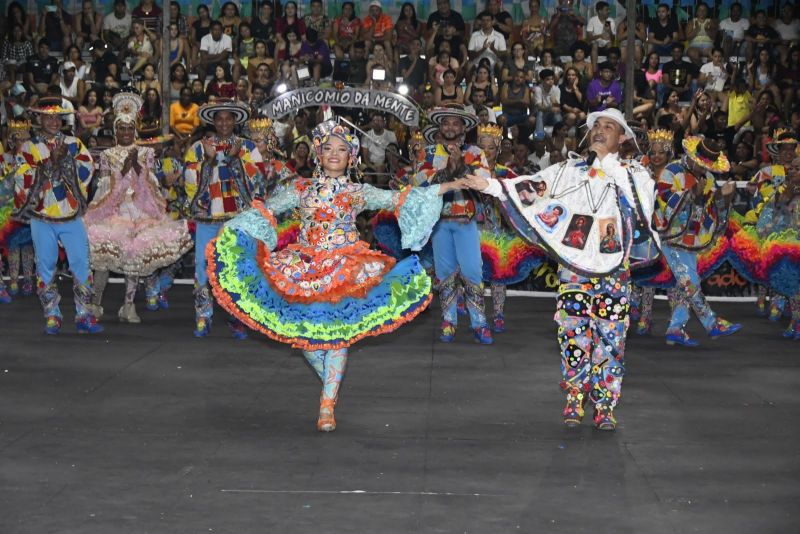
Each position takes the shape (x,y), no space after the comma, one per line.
(233,151)
(208,149)
(477,183)
(728,188)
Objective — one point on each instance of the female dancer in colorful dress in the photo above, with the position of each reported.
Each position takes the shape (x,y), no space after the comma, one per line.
(15,236)
(128,226)
(328,290)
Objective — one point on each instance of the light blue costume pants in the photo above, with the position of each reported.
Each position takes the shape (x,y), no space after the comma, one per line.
(203,304)
(687,293)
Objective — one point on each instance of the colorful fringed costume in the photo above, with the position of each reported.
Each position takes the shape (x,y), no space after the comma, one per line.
(218,189)
(51,177)
(456,238)
(585,217)
(329,289)
(688,222)
(16,243)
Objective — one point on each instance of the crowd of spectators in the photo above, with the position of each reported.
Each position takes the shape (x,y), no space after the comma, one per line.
(734,80)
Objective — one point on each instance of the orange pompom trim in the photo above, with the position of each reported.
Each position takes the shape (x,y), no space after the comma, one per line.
(265,212)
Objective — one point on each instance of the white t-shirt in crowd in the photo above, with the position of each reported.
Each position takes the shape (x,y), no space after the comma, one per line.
(545,101)
(208,44)
(735,30)
(542,162)
(492,116)
(716,76)
(477,39)
(788,32)
(376,145)
(596,27)
(121,27)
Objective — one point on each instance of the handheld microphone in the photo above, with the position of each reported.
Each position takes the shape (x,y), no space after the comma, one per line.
(591,157)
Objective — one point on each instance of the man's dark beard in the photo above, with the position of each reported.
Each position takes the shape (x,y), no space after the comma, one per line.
(457,137)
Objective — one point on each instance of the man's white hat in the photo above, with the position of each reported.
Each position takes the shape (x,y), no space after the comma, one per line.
(613,114)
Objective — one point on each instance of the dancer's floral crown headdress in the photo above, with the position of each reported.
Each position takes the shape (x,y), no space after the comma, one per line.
(126,107)
(490,130)
(325,130)
(661,136)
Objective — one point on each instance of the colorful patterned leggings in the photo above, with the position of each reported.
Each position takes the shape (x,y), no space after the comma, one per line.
(23,256)
(642,306)
(592,318)
(687,294)
(329,366)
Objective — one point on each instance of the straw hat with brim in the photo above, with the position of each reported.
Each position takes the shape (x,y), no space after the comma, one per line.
(50,106)
(783,137)
(697,150)
(437,115)
(429,134)
(239,111)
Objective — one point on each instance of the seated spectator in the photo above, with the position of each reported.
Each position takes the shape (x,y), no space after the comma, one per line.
(230,20)
(604,92)
(352,70)
(17,16)
(73,55)
(381,58)
(150,114)
(789,80)
(15,51)
(180,20)
(56,26)
(733,30)
(547,101)
(439,64)
(548,62)
(486,42)
(116,25)
(140,46)
(316,54)
(412,67)
(450,38)
(260,57)
(719,130)
(89,115)
(678,75)
(177,46)
(243,91)
(788,27)
(221,86)
(662,32)
(760,35)
(407,29)
(72,87)
(653,72)
(444,17)
(374,143)
(640,35)
(743,162)
(264,76)
(178,79)
(565,27)
(286,79)
(198,30)
(449,92)
(600,31)
(533,29)
(215,49)
(713,76)
(317,21)
(290,19)
(346,29)
(289,45)
(561,143)
(184,122)
(672,106)
(377,28)
(699,115)
(518,61)
(148,80)
(258,99)
(477,100)
(245,49)
(573,103)
(701,32)
(580,64)
(88,24)
(644,99)
(301,162)
(198,92)
(149,13)
(763,75)
(483,114)
(482,79)
(263,26)
(104,62)
(520,163)
(739,101)
(41,70)
(515,97)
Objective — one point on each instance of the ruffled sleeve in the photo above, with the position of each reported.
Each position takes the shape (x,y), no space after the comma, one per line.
(417,210)
(259,221)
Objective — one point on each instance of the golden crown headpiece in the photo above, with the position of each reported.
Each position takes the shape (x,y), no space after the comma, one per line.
(492,130)
(417,138)
(780,132)
(19,126)
(261,125)
(660,136)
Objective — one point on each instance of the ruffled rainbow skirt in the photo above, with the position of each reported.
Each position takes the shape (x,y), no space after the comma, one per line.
(242,289)
(507,258)
(13,234)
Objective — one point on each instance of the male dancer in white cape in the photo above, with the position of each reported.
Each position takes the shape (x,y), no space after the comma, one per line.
(585,213)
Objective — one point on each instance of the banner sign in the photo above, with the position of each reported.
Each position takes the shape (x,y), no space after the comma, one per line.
(347,97)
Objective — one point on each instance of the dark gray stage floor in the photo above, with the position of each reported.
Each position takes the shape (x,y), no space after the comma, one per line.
(146,429)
